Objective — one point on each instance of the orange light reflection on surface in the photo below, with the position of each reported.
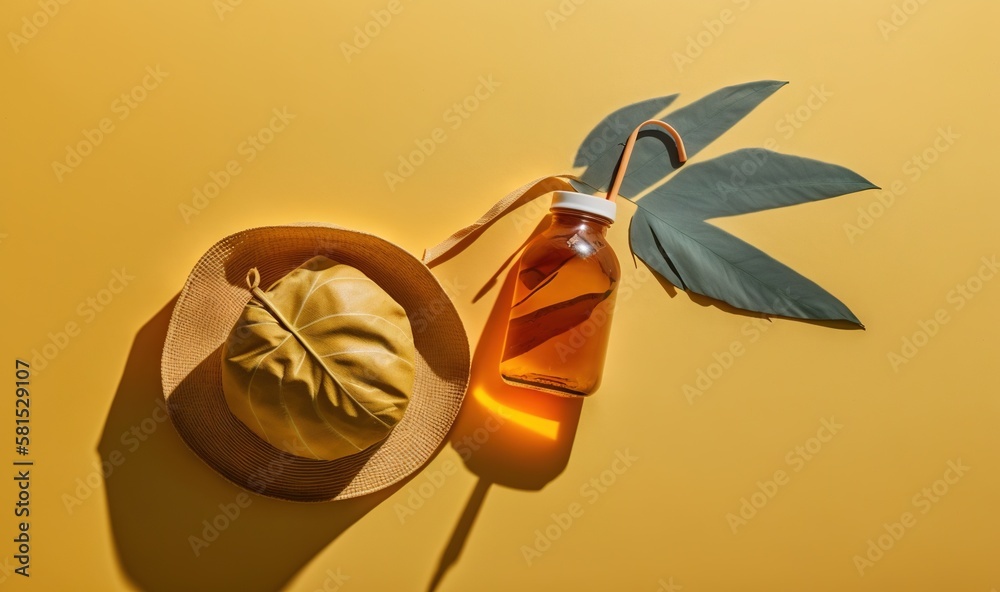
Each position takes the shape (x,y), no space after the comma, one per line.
(545,427)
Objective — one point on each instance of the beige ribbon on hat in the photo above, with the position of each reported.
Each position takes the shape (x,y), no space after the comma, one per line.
(521,195)
(539,187)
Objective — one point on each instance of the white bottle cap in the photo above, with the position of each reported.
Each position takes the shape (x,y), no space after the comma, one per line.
(581,202)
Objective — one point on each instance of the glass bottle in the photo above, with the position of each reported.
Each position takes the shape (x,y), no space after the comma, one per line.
(564,298)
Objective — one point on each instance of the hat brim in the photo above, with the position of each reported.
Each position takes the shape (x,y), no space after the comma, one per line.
(210,304)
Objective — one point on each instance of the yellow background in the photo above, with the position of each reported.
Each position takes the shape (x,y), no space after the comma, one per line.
(664,520)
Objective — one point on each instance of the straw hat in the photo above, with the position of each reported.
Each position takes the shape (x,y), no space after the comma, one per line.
(212,301)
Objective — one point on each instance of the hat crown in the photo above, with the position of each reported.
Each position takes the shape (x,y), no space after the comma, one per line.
(321,364)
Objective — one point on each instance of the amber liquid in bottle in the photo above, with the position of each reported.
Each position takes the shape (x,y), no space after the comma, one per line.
(564,298)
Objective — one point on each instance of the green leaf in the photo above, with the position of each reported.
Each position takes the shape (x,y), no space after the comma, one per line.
(670,234)
(615,128)
(750,180)
(717,264)
(698,124)
(646,246)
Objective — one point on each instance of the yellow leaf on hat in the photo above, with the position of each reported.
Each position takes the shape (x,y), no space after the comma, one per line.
(321,364)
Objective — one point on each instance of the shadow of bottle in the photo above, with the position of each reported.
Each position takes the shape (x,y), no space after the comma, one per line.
(178,525)
(506,435)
